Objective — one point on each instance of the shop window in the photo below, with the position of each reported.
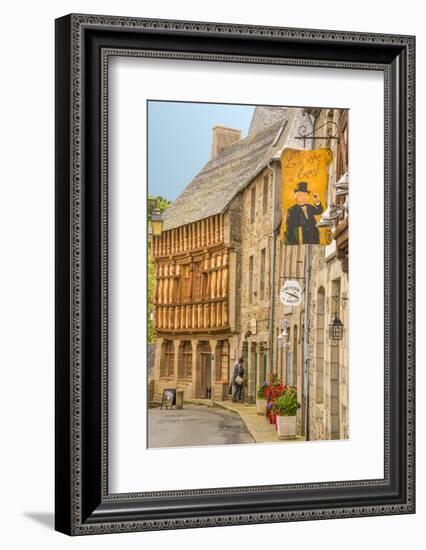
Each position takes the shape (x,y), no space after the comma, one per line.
(185,370)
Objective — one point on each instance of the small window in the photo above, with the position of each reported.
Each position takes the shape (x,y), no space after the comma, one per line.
(265,194)
(252,204)
(250,285)
(262,273)
(167,363)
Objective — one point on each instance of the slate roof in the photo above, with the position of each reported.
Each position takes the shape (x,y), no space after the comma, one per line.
(214,187)
(265,116)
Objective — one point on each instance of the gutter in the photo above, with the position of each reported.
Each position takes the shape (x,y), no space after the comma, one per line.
(306,357)
(273,269)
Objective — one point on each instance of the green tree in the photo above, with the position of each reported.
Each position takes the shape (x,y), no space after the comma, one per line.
(155,203)
(161,204)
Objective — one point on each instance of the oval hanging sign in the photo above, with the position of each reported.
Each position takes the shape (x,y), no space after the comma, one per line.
(291,293)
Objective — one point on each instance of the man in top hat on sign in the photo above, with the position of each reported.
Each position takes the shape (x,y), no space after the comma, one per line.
(301,216)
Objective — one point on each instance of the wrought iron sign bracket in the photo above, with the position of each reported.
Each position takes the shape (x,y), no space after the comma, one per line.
(303,134)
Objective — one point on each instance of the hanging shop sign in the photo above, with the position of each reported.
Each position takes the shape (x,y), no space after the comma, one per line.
(291,293)
(304,195)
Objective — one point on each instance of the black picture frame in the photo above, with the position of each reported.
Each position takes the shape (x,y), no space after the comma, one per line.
(83,45)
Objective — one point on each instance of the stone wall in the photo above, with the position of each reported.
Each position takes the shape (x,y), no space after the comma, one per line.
(255,261)
(327,360)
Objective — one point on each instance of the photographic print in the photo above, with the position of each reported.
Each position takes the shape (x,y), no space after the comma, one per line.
(237,275)
(247,274)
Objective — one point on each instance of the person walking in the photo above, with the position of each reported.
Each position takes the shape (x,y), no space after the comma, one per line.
(237,381)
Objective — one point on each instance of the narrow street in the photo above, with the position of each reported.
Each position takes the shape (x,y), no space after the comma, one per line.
(195,426)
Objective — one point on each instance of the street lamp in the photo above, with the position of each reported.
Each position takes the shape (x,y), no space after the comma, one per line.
(335,328)
(283,336)
(157,223)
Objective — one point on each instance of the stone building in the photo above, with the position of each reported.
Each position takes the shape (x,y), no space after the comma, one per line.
(307,356)
(261,216)
(220,264)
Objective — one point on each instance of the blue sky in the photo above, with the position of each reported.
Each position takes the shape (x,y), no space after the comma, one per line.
(179,140)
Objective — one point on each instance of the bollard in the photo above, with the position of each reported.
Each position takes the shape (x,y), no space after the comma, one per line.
(179,399)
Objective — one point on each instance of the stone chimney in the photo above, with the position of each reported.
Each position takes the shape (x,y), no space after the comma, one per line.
(222,137)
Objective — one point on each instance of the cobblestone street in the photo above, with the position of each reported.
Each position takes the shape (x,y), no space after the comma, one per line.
(195,426)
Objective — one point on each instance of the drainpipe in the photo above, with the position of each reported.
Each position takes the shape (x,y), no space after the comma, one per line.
(273,268)
(305,395)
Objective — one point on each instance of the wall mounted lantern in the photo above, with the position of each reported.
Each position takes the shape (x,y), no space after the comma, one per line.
(157,223)
(335,328)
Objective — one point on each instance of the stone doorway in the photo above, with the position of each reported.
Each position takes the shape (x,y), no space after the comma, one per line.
(204,368)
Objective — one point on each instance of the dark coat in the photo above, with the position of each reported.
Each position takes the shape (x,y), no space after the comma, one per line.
(296,218)
(238,371)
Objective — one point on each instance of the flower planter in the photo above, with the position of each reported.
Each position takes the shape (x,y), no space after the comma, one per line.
(261,406)
(286,426)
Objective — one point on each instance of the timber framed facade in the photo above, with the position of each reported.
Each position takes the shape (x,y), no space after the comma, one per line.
(191,309)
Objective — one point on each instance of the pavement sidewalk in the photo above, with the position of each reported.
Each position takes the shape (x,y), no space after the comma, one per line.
(258,425)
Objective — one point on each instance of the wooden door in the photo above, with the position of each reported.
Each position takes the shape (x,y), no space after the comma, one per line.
(206,373)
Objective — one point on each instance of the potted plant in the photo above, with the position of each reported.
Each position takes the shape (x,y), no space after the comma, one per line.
(272,391)
(285,407)
(261,400)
